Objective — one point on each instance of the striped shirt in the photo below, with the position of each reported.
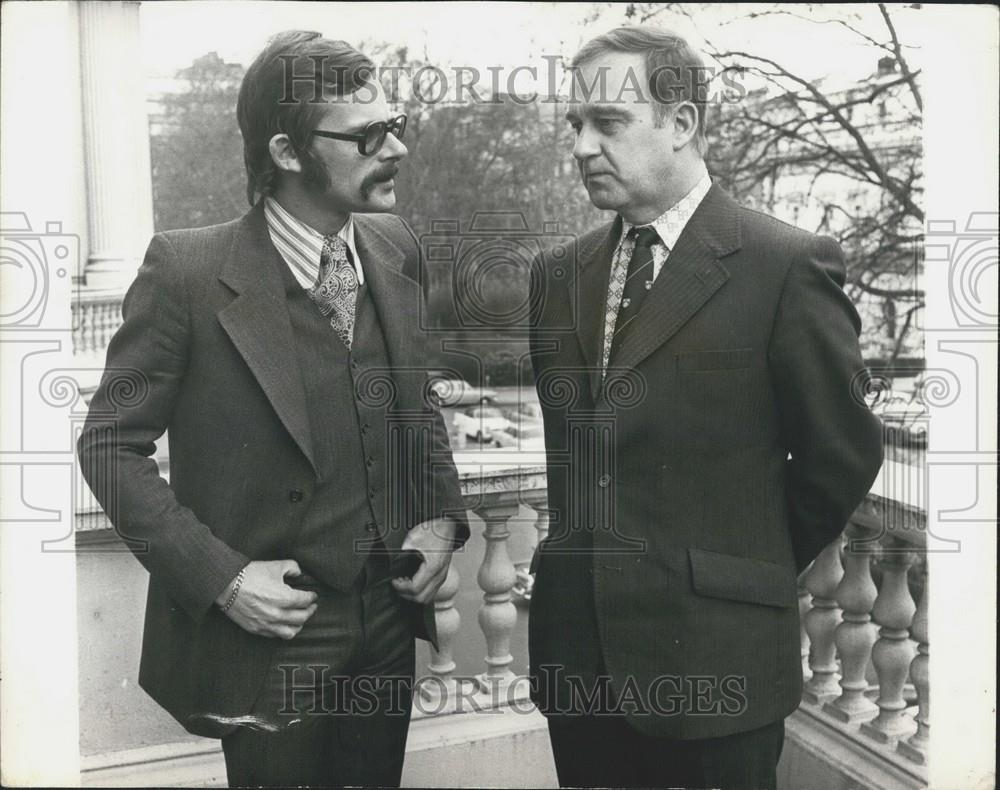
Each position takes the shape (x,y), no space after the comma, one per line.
(301,246)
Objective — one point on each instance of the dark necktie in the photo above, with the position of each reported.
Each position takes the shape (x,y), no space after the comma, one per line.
(336,289)
(638,281)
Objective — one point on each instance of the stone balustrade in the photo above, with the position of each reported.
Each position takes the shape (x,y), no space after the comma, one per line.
(866,627)
(97,314)
(864,603)
(497,496)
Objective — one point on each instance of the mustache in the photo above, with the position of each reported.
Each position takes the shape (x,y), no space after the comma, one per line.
(386,173)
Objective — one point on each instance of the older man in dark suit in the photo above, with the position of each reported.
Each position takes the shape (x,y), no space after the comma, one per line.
(312,505)
(697,371)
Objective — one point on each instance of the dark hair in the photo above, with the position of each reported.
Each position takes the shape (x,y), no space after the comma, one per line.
(675,72)
(283,91)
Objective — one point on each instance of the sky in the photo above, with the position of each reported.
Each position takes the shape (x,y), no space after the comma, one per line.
(488,33)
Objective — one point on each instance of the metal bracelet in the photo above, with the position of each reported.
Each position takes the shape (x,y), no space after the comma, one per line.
(236,590)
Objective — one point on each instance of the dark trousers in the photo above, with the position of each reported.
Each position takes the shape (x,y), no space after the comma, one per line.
(334,709)
(606,751)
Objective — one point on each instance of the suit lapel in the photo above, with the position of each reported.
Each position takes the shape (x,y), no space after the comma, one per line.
(257,322)
(591,300)
(396,296)
(689,278)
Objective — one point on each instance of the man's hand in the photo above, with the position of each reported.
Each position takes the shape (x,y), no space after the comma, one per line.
(265,605)
(434,539)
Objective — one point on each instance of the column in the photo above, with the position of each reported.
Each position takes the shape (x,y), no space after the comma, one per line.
(116,143)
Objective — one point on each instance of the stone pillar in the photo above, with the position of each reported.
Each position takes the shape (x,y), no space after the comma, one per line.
(116,141)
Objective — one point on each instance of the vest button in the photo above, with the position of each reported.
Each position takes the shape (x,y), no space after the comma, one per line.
(370,461)
(604,481)
(371,526)
(295,495)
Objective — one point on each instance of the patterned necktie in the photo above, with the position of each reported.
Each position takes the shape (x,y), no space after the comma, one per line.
(336,289)
(632,285)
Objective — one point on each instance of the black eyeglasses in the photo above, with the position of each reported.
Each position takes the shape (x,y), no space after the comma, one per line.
(373,137)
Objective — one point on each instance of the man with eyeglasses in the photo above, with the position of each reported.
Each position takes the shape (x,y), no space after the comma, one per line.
(313,504)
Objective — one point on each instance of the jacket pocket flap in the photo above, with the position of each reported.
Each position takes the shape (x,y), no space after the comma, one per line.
(742,579)
(715,360)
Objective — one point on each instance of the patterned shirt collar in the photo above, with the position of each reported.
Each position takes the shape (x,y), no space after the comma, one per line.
(301,246)
(671,223)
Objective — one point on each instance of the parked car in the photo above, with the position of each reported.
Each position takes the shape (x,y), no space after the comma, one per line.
(532,410)
(481,423)
(458,392)
(528,434)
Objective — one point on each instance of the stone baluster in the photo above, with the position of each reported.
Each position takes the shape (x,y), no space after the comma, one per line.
(537,501)
(820,622)
(893,651)
(442,683)
(107,325)
(96,326)
(915,747)
(856,633)
(78,319)
(539,505)
(805,604)
(93,326)
(87,327)
(498,614)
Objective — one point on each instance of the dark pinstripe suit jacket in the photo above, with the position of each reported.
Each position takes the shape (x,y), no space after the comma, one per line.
(726,448)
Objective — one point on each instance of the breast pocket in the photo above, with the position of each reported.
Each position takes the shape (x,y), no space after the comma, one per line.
(718,395)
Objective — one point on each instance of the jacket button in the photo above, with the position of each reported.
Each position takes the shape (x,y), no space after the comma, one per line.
(364,428)
(295,495)
(604,481)
(370,461)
